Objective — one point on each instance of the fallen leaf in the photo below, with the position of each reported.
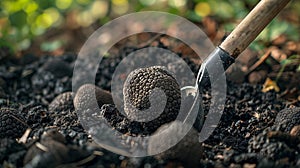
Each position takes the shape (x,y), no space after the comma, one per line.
(270,85)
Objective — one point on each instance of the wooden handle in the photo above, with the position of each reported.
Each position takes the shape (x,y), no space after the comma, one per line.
(252,25)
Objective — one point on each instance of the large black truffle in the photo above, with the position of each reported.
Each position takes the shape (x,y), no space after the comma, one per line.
(139,86)
(12,124)
(288,118)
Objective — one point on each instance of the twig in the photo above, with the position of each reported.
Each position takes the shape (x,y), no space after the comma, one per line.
(150,41)
(24,137)
(41,146)
(83,161)
(260,61)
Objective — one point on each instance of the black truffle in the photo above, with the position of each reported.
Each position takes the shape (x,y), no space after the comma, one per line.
(288,118)
(83,97)
(62,102)
(273,144)
(139,86)
(12,124)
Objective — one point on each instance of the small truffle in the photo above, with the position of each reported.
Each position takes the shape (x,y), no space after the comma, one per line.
(137,91)
(288,118)
(62,102)
(273,144)
(83,97)
(12,125)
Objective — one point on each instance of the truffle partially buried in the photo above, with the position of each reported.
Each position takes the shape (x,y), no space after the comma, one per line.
(12,125)
(288,118)
(62,102)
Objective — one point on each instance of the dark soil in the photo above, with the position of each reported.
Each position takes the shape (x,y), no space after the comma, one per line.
(37,90)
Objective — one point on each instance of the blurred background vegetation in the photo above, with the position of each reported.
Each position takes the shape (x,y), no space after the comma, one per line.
(24,21)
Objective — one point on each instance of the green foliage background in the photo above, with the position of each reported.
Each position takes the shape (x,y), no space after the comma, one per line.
(21,21)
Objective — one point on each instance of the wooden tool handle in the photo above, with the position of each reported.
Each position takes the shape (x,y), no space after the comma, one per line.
(252,25)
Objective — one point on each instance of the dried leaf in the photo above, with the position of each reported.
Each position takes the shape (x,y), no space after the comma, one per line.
(270,85)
